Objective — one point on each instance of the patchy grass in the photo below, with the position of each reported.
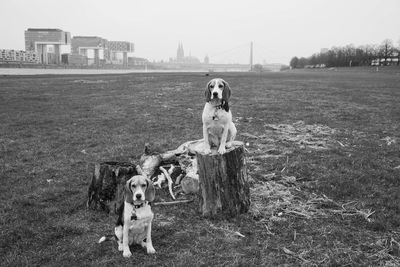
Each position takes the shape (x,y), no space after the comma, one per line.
(323,156)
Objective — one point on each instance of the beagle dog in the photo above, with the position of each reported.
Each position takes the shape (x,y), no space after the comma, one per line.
(218,128)
(135,216)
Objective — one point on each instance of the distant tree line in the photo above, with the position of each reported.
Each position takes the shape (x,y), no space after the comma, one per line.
(384,54)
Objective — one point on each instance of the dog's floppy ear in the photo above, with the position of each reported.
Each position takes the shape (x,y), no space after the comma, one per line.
(150,193)
(226,94)
(128,191)
(208,92)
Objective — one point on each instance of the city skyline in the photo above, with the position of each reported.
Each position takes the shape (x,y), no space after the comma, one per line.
(222,30)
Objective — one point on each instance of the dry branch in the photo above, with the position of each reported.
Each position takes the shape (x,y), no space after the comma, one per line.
(237,233)
(173,202)
(108,178)
(169,181)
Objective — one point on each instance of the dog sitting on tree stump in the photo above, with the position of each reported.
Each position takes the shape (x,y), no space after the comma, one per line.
(224,187)
(218,128)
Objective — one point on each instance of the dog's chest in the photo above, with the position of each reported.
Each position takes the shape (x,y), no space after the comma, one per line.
(142,218)
(215,116)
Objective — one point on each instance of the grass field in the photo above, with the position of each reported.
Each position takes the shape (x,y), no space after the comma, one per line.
(323,157)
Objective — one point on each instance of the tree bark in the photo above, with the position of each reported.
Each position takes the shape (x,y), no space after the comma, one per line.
(107,185)
(224,189)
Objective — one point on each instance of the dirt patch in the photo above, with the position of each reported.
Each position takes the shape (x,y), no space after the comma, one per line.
(281,140)
(314,136)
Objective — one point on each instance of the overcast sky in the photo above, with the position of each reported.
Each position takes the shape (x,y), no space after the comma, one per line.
(223,30)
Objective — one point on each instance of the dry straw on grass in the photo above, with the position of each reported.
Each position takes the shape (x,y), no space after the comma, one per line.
(279,197)
(274,200)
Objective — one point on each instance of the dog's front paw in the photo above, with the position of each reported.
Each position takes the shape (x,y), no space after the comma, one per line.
(207,150)
(150,250)
(221,150)
(126,254)
(228,145)
(120,247)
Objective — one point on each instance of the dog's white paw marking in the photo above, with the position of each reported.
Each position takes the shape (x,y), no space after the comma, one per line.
(150,250)
(207,150)
(221,150)
(127,254)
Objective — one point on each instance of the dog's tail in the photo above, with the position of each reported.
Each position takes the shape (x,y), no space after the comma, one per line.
(107,238)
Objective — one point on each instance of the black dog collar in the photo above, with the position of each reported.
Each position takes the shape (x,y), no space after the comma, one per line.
(141,205)
(215,117)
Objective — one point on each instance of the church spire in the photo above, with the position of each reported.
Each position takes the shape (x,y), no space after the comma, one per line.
(180,54)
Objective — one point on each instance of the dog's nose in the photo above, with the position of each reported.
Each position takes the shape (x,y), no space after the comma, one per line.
(215,94)
(139,196)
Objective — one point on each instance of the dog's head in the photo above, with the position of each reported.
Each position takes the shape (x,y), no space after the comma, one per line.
(139,189)
(218,92)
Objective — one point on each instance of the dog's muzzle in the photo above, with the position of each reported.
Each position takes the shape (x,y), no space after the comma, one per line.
(216,102)
(138,197)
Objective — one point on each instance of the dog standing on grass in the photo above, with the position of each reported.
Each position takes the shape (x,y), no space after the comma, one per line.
(218,128)
(135,216)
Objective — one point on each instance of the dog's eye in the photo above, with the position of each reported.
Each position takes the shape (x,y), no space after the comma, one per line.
(134,186)
(212,86)
(220,86)
(143,185)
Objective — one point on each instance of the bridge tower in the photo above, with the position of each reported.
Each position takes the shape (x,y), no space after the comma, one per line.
(251,56)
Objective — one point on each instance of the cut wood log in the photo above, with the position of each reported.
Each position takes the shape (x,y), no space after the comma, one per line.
(108,183)
(224,188)
(227,172)
(189,183)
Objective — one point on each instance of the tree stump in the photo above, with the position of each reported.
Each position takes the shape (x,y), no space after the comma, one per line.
(106,190)
(224,188)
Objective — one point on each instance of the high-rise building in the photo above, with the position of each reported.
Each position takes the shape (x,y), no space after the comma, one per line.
(96,49)
(47,43)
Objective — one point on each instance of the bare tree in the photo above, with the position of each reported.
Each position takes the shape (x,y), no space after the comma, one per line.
(398,53)
(372,52)
(365,57)
(349,55)
(386,50)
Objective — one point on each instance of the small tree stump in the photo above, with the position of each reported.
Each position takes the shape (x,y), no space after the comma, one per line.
(107,185)
(224,187)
